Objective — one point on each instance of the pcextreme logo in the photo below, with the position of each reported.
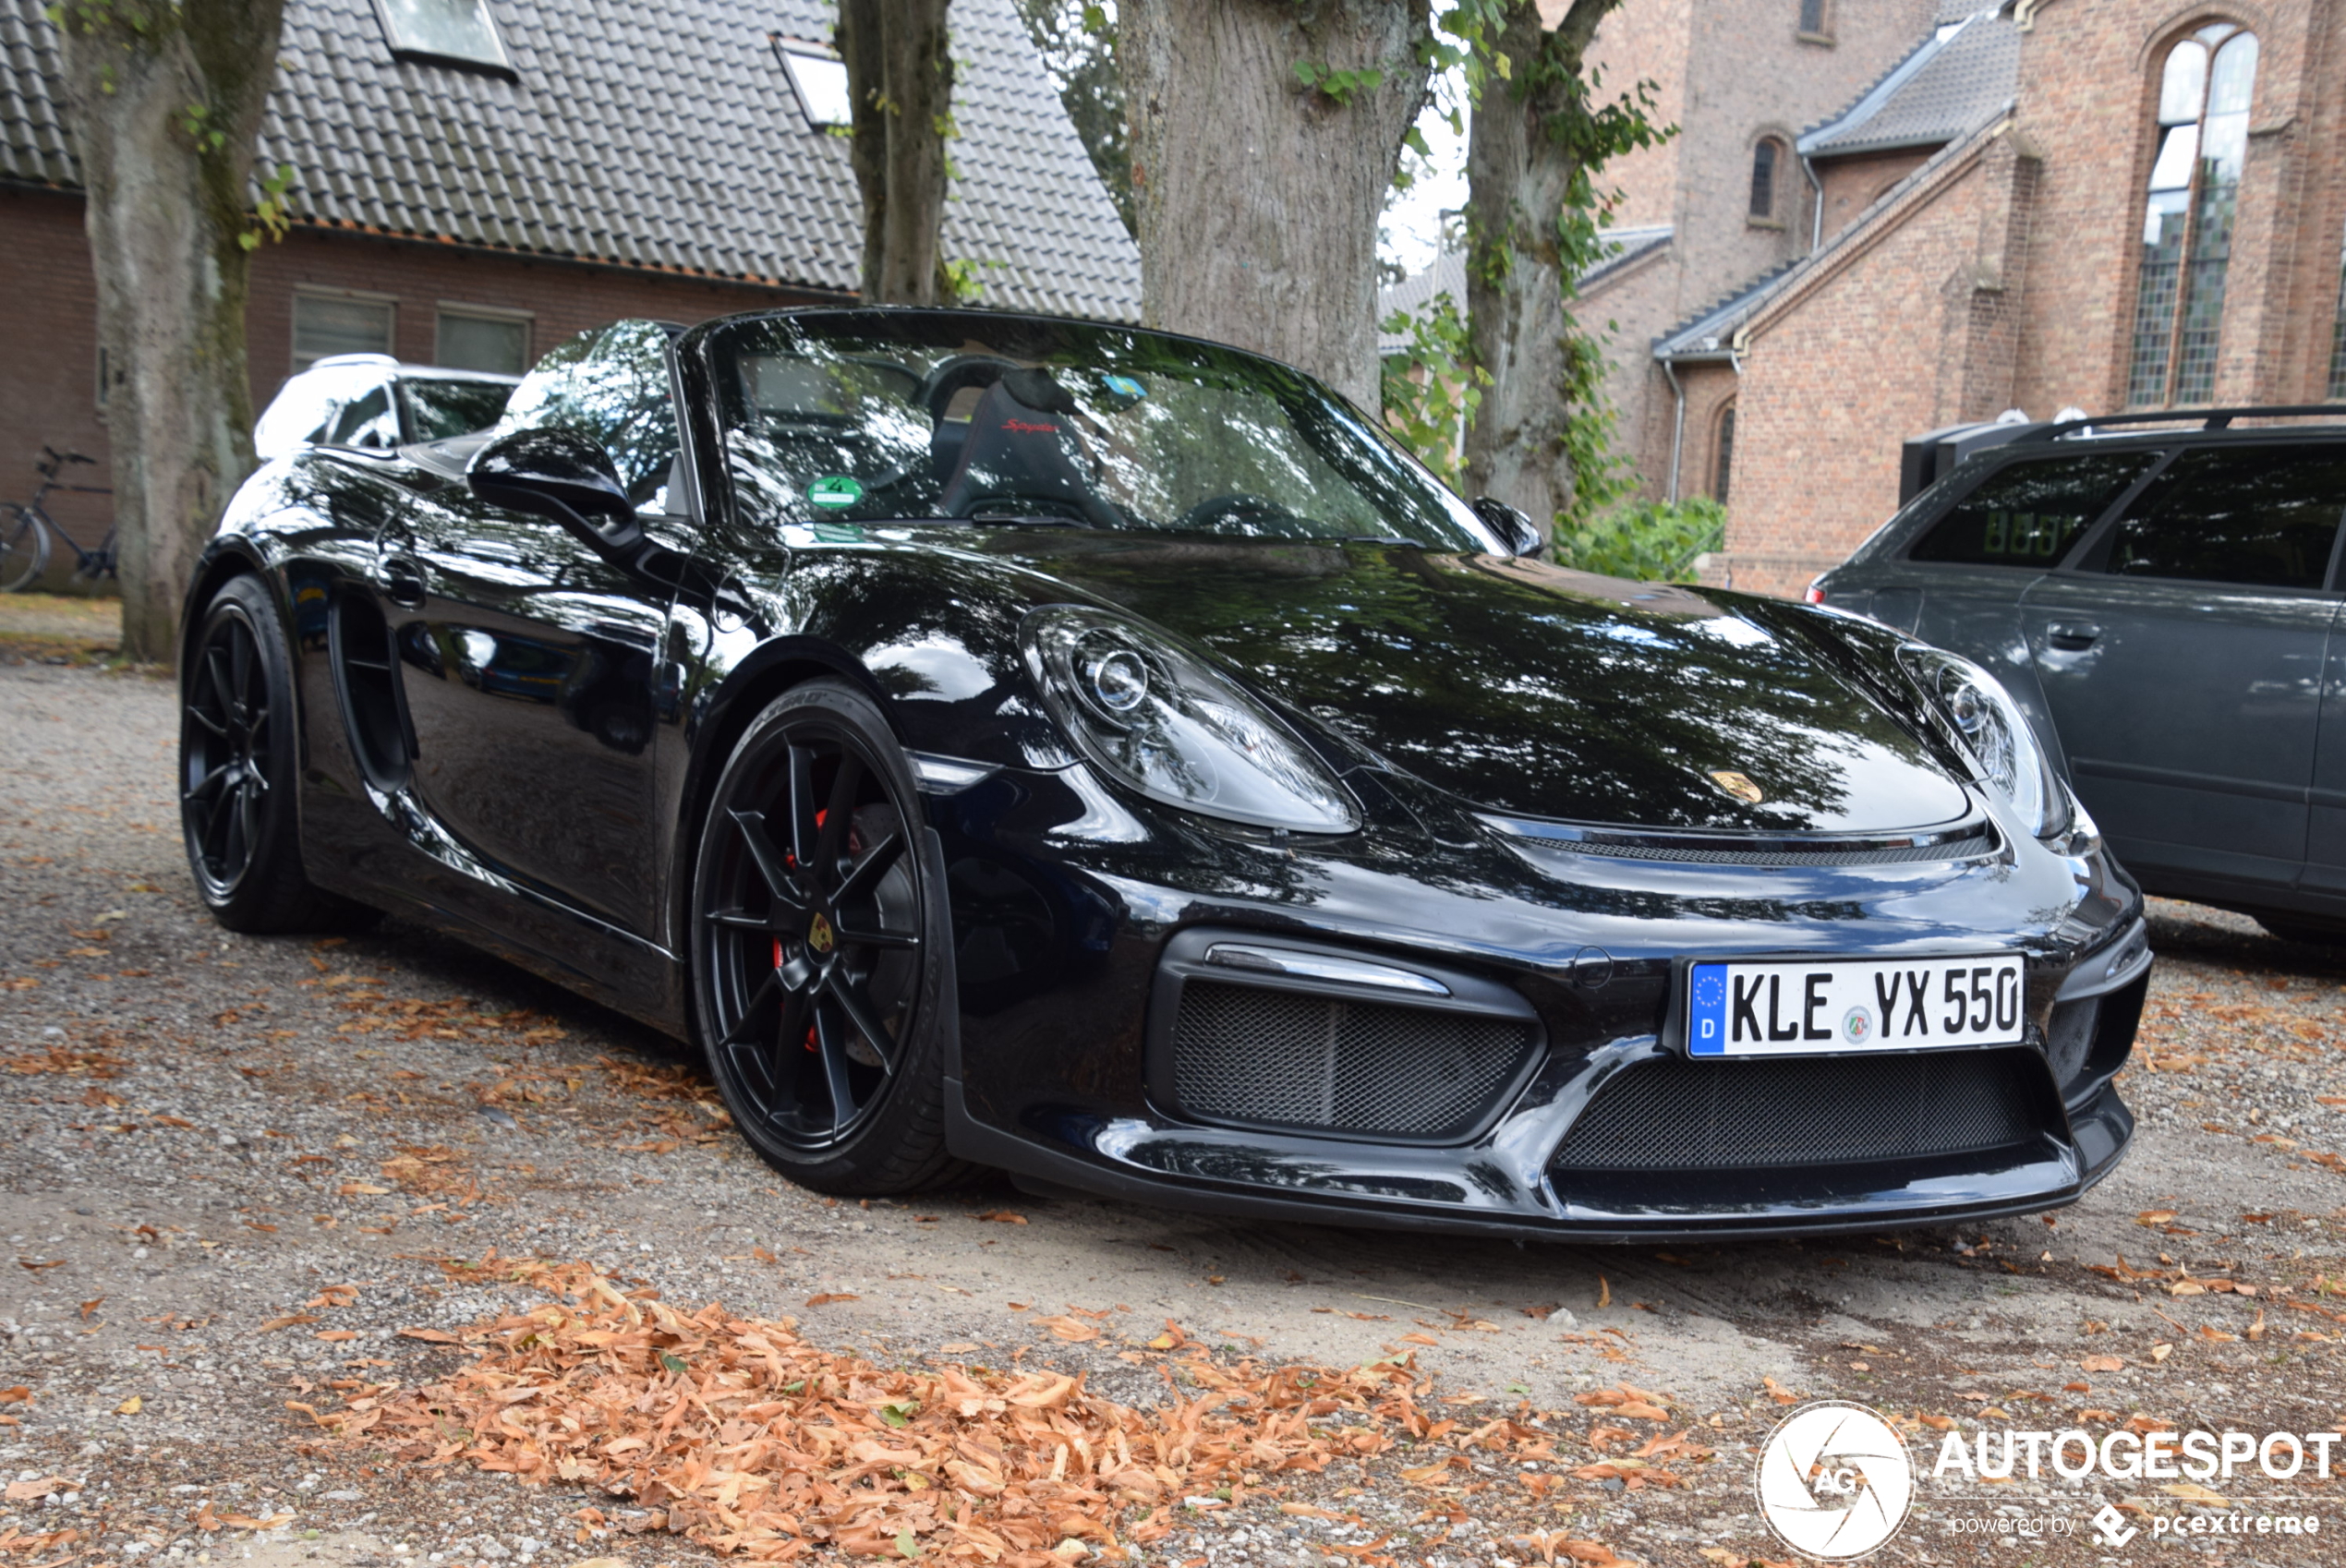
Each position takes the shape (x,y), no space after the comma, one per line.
(1834,1480)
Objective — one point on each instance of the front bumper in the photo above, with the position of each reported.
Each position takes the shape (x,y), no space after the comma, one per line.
(1064,938)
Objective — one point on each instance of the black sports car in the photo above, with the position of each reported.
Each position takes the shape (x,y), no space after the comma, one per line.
(1107,756)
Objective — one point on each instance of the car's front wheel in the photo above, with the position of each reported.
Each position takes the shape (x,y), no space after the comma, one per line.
(815,949)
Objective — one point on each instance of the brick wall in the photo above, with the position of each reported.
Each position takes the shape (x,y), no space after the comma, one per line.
(2089,72)
(1891,340)
(48,394)
(1727,72)
(2015,283)
(1853,184)
(49,389)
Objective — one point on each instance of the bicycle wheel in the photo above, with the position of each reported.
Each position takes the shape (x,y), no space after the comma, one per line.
(24,546)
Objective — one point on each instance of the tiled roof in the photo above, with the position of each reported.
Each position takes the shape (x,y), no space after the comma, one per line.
(647,133)
(1966,69)
(1447,274)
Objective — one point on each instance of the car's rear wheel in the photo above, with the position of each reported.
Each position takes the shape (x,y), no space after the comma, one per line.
(238,750)
(816,942)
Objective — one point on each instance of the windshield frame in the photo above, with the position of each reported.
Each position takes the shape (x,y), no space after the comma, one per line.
(409,387)
(947,331)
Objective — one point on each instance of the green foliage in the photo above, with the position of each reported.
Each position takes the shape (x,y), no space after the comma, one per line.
(195,122)
(1337,87)
(1652,540)
(1430,395)
(1077,40)
(273,212)
(964,280)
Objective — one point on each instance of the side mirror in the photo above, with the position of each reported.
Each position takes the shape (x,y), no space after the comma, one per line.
(1518,532)
(563,476)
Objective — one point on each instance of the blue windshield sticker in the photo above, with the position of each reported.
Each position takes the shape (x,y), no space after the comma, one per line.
(1124,386)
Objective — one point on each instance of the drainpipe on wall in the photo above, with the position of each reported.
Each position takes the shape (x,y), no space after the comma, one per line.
(1677,427)
(1817,224)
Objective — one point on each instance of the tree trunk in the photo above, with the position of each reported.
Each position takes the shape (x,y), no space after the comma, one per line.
(1264,137)
(899,74)
(166,99)
(1524,159)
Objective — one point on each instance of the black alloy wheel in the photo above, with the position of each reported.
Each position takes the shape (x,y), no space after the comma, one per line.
(238,749)
(816,980)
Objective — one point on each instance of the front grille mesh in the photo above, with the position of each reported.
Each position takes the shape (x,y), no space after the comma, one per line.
(1274,1058)
(1672,1114)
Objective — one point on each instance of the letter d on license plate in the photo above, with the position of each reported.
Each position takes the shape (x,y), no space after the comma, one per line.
(1790,1008)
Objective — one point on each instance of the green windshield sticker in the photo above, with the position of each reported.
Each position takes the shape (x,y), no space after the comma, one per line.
(834,492)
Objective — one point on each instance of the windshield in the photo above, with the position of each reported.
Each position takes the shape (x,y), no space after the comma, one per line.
(437,409)
(860,417)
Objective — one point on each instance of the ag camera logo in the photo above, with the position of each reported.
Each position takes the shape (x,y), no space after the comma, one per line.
(1834,1480)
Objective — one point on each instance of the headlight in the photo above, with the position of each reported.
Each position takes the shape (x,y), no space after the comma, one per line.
(1991,729)
(1167,725)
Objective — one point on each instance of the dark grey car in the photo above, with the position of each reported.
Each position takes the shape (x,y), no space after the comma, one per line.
(2165,604)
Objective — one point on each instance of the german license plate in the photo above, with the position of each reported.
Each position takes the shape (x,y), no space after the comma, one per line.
(1792,1007)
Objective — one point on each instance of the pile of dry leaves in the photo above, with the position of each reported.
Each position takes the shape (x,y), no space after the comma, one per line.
(746,1439)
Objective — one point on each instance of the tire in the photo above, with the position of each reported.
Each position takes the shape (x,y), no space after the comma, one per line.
(239,744)
(24,548)
(817,951)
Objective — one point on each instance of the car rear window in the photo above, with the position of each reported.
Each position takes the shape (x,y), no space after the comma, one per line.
(2262,516)
(2029,513)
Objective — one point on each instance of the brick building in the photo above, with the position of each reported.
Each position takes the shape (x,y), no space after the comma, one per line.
(2040,204)
(476,180)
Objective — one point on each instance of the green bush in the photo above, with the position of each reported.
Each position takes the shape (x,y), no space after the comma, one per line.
(1651,541)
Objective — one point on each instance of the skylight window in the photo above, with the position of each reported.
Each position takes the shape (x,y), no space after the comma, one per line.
(445,32)
(819,78)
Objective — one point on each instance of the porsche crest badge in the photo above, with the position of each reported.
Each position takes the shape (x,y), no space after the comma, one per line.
(1738,785)
(818,935)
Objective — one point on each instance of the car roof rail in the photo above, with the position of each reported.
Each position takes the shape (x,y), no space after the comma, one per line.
(2209,419)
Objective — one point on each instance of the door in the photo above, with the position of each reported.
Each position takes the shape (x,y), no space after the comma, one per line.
(526,657)
(1973,564)
(527,671)
(2325,830)
(2182,664)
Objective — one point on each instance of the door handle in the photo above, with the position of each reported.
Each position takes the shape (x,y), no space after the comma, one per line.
(403,582)
(2072,636)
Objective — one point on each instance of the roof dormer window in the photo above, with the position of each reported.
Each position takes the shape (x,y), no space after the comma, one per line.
(445,32)
(819,78)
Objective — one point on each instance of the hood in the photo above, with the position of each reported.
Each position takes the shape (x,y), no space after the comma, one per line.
(1529,689)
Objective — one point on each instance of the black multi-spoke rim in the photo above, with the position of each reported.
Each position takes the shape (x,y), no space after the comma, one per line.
(223,753)
(810,934)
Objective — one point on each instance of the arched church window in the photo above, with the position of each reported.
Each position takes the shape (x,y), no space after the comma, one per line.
(2188,218)
(1766,157)
(1724,454)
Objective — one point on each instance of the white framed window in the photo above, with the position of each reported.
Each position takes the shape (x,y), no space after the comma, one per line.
(819,78)
(481,337)
(333,322)
(445,32)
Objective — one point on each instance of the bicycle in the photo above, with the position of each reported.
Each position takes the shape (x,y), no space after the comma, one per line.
(26,529)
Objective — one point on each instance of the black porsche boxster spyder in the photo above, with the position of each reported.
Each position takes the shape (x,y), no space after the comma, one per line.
(1108,757)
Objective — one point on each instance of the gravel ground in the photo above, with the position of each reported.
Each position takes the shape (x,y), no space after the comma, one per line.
(203,1133)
